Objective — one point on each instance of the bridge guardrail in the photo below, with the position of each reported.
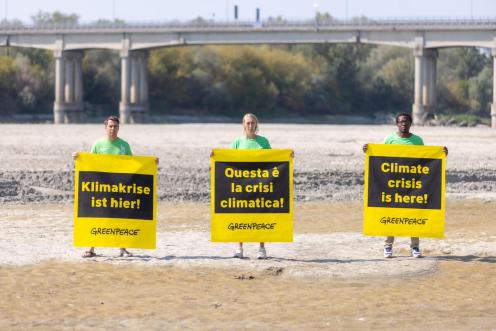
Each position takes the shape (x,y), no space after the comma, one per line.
(355,23)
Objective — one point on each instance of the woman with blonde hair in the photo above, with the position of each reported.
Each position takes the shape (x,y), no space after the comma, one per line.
(250,140)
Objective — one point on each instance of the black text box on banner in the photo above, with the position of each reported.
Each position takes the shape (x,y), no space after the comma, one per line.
(251,187)
(115,195)
(401,182)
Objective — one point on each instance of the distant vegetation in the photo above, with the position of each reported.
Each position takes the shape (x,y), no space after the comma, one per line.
(316,79)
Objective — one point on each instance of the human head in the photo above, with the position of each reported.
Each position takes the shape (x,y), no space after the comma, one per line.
(250,125)
(403,122)
(111,127)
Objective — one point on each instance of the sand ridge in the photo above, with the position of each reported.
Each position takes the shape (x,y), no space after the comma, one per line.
(327,242)
(328,158)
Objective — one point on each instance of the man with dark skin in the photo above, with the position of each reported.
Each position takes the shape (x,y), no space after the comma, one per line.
(403,136)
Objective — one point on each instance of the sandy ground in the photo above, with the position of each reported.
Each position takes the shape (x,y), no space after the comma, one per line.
(36,159)
(331,277)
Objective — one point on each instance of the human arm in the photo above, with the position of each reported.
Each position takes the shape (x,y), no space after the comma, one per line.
(235,144)
(267,144)
(128,150)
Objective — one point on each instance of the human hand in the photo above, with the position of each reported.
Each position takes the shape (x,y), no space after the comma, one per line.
(75,155)
(445,149)
(365,147)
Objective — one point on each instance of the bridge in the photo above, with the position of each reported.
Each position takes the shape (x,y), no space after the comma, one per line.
(133,41)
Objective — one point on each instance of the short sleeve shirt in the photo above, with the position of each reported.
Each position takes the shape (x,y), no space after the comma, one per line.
(114,147)
(394,139)
(242,142)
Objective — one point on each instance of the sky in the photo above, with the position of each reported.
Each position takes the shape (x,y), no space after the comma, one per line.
(222,10)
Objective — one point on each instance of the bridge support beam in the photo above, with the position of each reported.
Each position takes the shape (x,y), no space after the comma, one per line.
(418,112)
(68,106)
(429,96)
(133,107)
(493,106)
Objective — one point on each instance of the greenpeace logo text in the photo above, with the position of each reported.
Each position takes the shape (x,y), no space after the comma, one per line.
(114,231)
(404,220)
(251,226)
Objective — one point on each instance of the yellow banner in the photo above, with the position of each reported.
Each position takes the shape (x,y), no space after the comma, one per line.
(252,195)
(115,201)
(404,191)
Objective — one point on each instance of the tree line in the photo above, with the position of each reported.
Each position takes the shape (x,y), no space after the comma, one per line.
(317,79)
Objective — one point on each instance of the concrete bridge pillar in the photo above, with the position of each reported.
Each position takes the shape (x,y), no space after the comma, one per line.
(493,106)
(143,69)
(429,96)
(134,88)
(134,106)
(433,94)
(58,111)
(124,106)
(68,105)
(418,112)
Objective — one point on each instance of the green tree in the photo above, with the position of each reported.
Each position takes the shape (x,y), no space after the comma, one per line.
(8,86)
(101,80)
(462,83)
(480,91)
(44,18)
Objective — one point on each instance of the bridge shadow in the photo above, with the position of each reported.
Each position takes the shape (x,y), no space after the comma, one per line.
(458,258)
(196,257)
(147,258)
(166,258)
(464,258)
(272,259)
(323,261)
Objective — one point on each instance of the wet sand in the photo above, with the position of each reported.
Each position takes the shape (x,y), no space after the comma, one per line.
(452,288)
(460,295)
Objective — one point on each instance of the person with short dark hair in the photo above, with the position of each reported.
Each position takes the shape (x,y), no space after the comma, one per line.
(110,144)
(403,136)
(111,118)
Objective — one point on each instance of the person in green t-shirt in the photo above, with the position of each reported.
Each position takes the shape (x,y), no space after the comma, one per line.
(110,144)
(250,140)
(403,137)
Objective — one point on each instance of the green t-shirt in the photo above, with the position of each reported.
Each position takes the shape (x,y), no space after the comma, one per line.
(394,139)
(258,142)
(115,147)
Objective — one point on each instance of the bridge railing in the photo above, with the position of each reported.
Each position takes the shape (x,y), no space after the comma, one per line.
(199,24)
